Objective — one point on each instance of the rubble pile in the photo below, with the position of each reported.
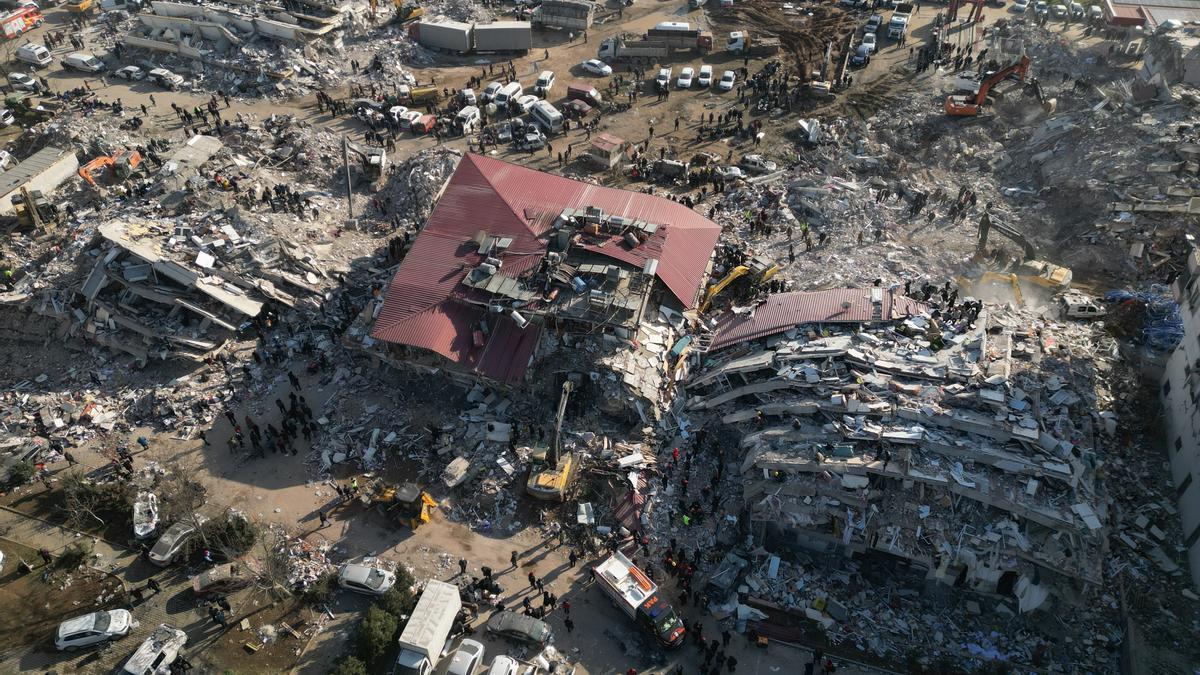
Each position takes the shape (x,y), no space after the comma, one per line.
(307,561)
(415,182)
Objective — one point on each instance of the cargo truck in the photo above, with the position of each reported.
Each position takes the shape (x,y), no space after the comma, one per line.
(636,595)
(572,15)
(463,38)
(898,26)
(425,637)
(743,44)
(616,49)
(680,35)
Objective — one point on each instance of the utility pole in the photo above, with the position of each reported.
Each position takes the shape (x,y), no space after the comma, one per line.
(349,190)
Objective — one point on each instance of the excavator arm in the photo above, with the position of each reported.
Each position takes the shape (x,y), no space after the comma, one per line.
(85,171)
(716,288)
(556,441)
(958,105)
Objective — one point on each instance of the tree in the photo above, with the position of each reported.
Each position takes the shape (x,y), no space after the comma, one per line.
(21,473)
(376,634)
(87,504)
(351,665)
(399,600)
(181,496)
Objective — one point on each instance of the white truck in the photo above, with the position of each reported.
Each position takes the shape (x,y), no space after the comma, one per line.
(635,594)
(425,637)
(898,26)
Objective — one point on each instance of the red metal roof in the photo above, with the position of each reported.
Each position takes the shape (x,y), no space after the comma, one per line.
(783,311)
(423,305)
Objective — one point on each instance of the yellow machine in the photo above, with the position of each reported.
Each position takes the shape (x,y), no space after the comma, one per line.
(405,12)
(80,6)
(410,503)
(552,474)
(1025,276)
(761,269)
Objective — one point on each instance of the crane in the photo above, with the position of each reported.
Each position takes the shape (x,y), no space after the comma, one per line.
(963,105)
(552,476)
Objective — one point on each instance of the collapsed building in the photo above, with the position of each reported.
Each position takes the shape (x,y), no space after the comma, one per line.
(514,265)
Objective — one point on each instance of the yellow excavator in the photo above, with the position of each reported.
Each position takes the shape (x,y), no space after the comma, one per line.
(405,12)
(759,268)
(1027,274)
(552,473)
(410,504)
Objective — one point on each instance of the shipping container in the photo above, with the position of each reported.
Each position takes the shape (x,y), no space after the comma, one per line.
(451,36)
(503,36)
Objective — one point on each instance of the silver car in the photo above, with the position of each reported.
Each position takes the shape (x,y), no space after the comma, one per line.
(366,579)
(466,658)
(168,546)
(92,629)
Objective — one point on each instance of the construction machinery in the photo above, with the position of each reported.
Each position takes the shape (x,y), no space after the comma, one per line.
(1018,276)
(406,502)
(758,269)
(405,11)
(373,159)
(30,109)
(970,105)
(552,473)
(122,164)
(33,210)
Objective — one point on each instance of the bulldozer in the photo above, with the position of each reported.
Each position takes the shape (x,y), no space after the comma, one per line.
(33,210)
(552,473)
(122,163)
(407,502)
(405,12)
(758,268)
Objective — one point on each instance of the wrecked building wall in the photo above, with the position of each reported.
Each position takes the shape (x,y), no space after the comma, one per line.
(45,170)
(1180,385)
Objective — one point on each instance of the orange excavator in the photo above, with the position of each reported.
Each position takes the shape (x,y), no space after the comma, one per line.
(122,162)
(969,105)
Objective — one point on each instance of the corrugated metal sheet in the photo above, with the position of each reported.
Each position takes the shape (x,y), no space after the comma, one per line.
(783,311)
(35,164)
(508,200)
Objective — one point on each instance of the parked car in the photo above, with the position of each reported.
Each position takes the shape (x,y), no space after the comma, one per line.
(171,543)
(1095,13)
(1040,8)
(1076,11)
(226,577)
(873,24)
(489,92)
(24,82)
(87,63)
(728,173)
(166,79)
(519,627)
(466,658)
(157,653)
(503,665)
(532,139)
(92,629)
(705,79)
(407,118)
(758,164)
(544,83)
(366,579)
(685,78)
(870,42)
(596,67)
(395,112)
(132,73)
(861,57)
(1059,11)
(664,78)
(6,160)
(1019,6)
(727,80)
(145,514)
(526,102)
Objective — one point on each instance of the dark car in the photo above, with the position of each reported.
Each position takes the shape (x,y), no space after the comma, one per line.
(519,627)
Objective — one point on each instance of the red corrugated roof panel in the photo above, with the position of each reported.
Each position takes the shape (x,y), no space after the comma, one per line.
(783,311)
(422,309)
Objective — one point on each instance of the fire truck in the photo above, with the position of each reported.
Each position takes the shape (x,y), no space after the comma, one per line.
(631,590)
(20,20)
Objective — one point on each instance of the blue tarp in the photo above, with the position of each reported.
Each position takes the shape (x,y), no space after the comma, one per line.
(1162,327)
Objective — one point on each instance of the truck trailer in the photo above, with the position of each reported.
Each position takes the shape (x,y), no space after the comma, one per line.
(743,43)
(679,35)
(635,594)
(451,36)
(424,638)
(503,36)
(572,15)
(615,49)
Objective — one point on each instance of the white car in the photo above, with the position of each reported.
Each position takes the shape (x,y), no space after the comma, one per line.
(727,80)
(466,658)
(130,73)
(870,42)
(503,665)
(1019,6)
(705,79)
(24,82)
(663,80)
(596,67)
(729,173)
(1076,11)
(157,653)
(685,78)
(1040,8)
(396,111)
(145,515)
(758,164)
(366,579)
(526,102)
(1059,11)
(94,628)
(166,79)
(407,119)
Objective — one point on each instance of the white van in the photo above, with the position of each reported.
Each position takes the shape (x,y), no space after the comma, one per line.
(85,62)
(490,91)
(510,92)
(35,54)
(546,115)
(467,96)
(467,119)
(544,82)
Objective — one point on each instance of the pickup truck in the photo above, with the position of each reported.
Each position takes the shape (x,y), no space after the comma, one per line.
(898,26)
(744,44)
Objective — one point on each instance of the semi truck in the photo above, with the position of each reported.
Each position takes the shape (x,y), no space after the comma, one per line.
(680,35)
(463,38)
(572,15)
(743,43)
(635,594)
(898,26)
(425,636)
